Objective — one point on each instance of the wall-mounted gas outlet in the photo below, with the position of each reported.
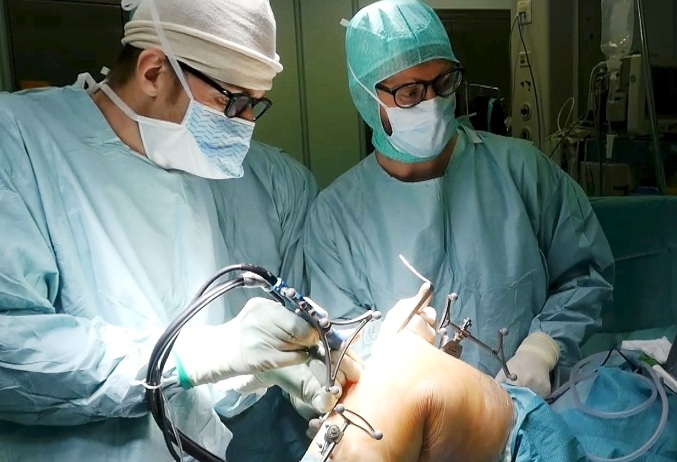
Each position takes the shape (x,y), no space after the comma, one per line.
(524,62)
(524,11)
(525,111)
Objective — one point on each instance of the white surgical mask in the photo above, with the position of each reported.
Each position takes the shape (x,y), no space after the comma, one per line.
(423,130)
(206,143)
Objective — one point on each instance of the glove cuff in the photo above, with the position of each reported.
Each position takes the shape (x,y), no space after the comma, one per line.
(543,346)
(203,353)
(184,379)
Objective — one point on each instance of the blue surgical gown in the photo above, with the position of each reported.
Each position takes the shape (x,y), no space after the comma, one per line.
(504,228)
(539,434)
(100,251)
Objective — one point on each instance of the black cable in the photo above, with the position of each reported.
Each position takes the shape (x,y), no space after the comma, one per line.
(160,355)
(163,347)
(269,277)
(533,81)
(512,61)
(598,130)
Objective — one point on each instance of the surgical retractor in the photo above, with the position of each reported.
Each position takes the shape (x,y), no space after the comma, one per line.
(334,433)
(453,347)
(330,339)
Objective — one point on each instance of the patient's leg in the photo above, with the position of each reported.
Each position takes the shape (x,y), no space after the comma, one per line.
(429,406)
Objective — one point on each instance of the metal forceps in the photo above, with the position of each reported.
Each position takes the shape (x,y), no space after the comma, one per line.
(453,347)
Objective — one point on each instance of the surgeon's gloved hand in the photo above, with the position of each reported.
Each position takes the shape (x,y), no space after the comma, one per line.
(536,357)
(263,336)
(313,427)
(304,383)
(422,324)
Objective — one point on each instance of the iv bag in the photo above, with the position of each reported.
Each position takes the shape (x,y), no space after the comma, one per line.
(618,22)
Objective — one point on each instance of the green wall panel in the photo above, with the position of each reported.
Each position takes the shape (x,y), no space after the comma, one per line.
(282,125)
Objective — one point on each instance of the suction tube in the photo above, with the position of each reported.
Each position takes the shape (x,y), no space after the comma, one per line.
(656,390)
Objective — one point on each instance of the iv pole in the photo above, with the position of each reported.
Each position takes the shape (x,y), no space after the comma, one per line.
(648,82)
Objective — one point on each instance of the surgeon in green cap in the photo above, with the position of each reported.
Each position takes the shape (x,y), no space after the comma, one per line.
(487,217)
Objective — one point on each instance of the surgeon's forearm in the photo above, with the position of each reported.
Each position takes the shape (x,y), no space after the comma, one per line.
(573,313)
(62,370)
(580,267)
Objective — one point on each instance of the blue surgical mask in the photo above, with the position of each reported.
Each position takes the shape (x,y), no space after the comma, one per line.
(223,141)
(206,143)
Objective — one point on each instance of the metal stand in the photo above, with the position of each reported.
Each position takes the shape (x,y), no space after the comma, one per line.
(651,102)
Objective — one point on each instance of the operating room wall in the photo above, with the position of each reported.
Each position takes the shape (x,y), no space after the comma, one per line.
(312,118)
(5,73)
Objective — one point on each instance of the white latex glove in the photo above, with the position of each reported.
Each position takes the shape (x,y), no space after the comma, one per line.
(535,358)
(304,383)
(263,336)
(422,324)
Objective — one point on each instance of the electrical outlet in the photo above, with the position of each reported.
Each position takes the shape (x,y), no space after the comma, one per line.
(524,11)
(524,62)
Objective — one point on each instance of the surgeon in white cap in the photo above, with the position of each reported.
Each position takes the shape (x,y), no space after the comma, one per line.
(119,200)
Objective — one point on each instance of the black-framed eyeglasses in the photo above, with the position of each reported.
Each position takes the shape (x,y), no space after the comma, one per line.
(409,95)
(236,102)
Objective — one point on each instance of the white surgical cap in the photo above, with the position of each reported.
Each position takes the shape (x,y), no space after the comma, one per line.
(232,41)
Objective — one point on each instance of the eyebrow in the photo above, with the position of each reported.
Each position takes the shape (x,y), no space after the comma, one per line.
(236,89)
(442,72)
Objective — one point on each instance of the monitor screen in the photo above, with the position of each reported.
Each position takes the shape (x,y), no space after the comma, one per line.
(665,91)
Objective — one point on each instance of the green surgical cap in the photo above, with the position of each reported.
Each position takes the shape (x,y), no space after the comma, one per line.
(382,40)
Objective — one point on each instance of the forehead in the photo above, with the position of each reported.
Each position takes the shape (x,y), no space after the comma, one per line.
(211,86)
(424,71)
(235,89)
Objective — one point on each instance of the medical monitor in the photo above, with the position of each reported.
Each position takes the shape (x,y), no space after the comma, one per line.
(664,79)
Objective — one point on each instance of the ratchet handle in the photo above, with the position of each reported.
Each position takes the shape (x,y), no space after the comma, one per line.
(334,340)
(312,313)
(319,322)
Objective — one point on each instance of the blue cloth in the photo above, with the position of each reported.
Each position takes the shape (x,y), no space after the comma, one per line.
(615,390)
(276,424)
(641,232)
(101,250)
(504,227)
(539,434)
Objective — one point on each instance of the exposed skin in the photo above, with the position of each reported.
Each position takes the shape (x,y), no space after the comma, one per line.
(418,171)
(430,407)
(155,92)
